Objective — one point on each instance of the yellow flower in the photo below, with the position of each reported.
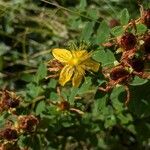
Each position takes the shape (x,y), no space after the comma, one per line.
(75,62)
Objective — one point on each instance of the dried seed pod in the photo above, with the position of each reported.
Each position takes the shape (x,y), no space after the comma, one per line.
(9,134)
(9,100)
(54,65)
(113,23)
(12,103)
(137,64)
(64,105)
(146,18)
(118,73)
(128,41)
(28,123)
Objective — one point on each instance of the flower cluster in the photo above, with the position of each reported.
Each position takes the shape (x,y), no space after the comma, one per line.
(9,100)
(27,123)
(15,124)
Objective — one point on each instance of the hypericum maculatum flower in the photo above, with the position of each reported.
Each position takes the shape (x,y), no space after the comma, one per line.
(75,63)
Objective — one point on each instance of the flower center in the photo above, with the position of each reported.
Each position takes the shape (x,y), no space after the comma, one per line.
(74,61)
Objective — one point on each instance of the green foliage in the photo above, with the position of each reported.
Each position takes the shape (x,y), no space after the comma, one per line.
(102,33)
(41,73)
(141,28)
(117,31)
(94,119)
(88,30)
(106,57)
(124,17)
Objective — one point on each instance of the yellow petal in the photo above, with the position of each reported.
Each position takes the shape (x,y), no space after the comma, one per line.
(91,65)
(66,74)
(62,55)
(81,54)
(78,76)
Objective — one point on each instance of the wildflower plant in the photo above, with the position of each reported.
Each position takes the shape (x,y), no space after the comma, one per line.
(75,62)
(89,94)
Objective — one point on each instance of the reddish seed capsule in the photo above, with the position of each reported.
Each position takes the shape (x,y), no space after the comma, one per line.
(12,103)
(64,105)
(146,18)
(9,134)
(128,41)
(54,65)
(9,100)
(118,72)
(113,23)
(137,64)
(28,123)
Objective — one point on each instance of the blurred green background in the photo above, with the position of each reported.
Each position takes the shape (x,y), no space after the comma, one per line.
(29,29)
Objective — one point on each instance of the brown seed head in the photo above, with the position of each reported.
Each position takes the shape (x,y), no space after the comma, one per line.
(54,65)
(128,41)
(9,100)
(119,72)
(9,134)
(28,123)
(137,64)
(113,23)
(64,105)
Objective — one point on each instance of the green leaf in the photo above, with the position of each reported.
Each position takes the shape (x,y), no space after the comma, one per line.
(124,17)
(23,140)
(110,121)
(125,118)
(117,31)
(141,28)
(41,73)
(40,108)
(93,13)
(99,106)
(75,23)
(53,96)
(82,5)
(52,83)
(3,48)
(106,57)
(139,102)
(118,98)
(27,77)
(34,90)
(102,33)
(87,31)
(85,86)
(138,81)
(72,95)
(2,120)
(36,144)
